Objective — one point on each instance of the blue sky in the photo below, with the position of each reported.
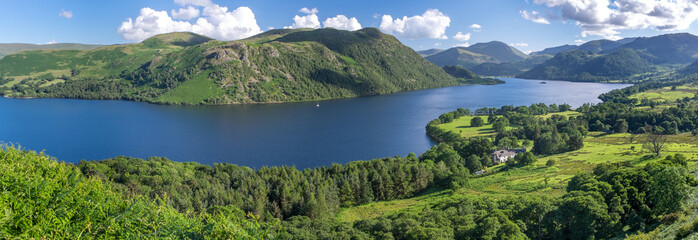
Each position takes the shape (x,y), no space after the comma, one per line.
(529,25)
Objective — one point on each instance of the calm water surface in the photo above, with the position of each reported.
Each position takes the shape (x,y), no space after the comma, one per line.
(299,134)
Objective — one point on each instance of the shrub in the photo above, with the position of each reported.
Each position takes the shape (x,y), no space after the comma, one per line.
(550,163)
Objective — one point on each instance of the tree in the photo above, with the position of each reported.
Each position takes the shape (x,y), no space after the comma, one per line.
(621,126)
(476,122)
(525,159)
(668,189)
(501,124)
(655,143)
(473,163)
(546,144)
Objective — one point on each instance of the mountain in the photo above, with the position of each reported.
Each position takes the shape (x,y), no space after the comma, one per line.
(184,68)
(626,40)
(554,50)
(459,56)
(587,66)
(625,59)
(429,52)
(499,51)
(598,46)
(10,48)
(493,52)
(678,48)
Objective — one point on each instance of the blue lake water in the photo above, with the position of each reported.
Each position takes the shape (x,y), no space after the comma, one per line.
(300,134)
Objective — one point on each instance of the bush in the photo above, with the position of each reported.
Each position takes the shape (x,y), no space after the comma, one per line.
(550,163)
(687,229)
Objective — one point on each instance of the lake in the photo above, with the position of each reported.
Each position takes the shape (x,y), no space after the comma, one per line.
(300,134)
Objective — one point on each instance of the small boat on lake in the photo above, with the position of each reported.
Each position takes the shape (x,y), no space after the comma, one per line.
(543,82)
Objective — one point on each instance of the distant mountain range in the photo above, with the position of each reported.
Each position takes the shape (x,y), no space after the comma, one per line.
(488,59)
(10,48)
(490,52)
(184,68)
(628,59)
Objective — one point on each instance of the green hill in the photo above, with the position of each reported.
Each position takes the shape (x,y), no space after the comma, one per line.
(587,66)
(185,68)
(10,48)
(490,52)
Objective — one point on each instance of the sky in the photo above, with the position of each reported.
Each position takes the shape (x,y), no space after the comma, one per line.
(529,25)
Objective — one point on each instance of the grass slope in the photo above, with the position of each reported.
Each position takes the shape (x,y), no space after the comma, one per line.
(10,48)
(537,179)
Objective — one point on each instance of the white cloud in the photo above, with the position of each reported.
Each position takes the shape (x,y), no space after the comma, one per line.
(342,22)
(437,44)
(308,11)
(53,41)
(66,14)
(527,52)
(150,23)
(534,17)
(431,24)
(578,41)
(462,37)
(186,13)
(476,27)
(519,44)
(607,18)
(215,21)
(465,44)
(307,21)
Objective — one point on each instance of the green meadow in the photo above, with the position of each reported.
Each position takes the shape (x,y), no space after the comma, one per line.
(537,179)
(462,125)
(667,94)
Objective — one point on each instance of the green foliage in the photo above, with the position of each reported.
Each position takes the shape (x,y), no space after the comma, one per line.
(550,163)
(43,198)
(476,122)
(525,159)
(668,189)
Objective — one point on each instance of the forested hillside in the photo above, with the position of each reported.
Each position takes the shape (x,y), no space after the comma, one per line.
(622,64)
(185,68)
